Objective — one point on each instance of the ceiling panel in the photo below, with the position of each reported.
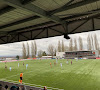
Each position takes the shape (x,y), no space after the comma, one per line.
(81,9)
(25,24)
(13,16)
(49,5)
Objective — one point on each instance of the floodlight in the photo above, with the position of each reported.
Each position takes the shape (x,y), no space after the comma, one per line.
(66,36)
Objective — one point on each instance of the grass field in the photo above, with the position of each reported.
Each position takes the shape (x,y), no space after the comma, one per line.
(81,75)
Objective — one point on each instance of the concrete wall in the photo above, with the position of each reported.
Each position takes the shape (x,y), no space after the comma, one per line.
(60,54)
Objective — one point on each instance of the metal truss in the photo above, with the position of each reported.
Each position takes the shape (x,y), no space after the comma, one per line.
(67,6)
(33,9)
(26,1)
(92,24)
(19,22)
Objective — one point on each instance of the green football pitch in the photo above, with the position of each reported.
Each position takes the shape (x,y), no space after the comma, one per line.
(81,75)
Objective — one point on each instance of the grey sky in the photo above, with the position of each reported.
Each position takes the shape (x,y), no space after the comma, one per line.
(42,44)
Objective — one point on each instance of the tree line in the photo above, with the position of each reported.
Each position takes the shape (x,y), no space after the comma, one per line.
(26,51)
(74,45)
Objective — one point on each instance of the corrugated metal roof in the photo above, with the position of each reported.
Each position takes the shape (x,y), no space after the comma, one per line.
(13,16)
(49,5)
(40,14)
(25,24)
(81,9)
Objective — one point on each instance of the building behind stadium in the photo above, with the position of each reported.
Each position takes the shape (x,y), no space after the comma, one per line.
(91,54)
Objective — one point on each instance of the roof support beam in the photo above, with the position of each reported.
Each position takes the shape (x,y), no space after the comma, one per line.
(39,33)
(24,36)
(3,40)
(33,9)
(68,3)
(97,18)
(89,17)
(31,34)
(56,30)
(6,9)
(84,13)
(79,26)
(47,33)
(13,37)
(26,1)
(33,26)
(18,37)
(19,22)
(93,23)
(52,27)
(84,2)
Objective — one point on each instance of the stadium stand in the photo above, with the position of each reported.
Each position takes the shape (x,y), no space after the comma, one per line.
(14,85)
(0,86)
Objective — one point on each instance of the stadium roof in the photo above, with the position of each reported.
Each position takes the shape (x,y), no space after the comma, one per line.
(22,20)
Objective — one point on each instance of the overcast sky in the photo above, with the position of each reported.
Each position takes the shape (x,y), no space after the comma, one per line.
(14,49)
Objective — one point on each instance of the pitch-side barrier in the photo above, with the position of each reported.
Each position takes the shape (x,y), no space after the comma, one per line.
(26,86)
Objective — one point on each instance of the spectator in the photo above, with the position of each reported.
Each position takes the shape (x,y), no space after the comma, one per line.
(6,87)
(45,88)
(22,87)
(0,87)
(14,88)
(19,88)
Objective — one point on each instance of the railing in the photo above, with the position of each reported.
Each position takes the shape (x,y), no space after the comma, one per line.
(25,86)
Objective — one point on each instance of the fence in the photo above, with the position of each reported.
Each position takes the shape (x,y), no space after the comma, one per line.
(24,87)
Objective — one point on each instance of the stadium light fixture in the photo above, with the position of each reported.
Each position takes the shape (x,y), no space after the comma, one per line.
(66,36)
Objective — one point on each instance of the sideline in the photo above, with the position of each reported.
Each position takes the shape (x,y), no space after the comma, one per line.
(6,79)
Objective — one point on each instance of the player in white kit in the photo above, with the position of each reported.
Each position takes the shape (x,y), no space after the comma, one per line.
(26,66)
(10,68)
(61,65)
(67,61)
(18,64)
